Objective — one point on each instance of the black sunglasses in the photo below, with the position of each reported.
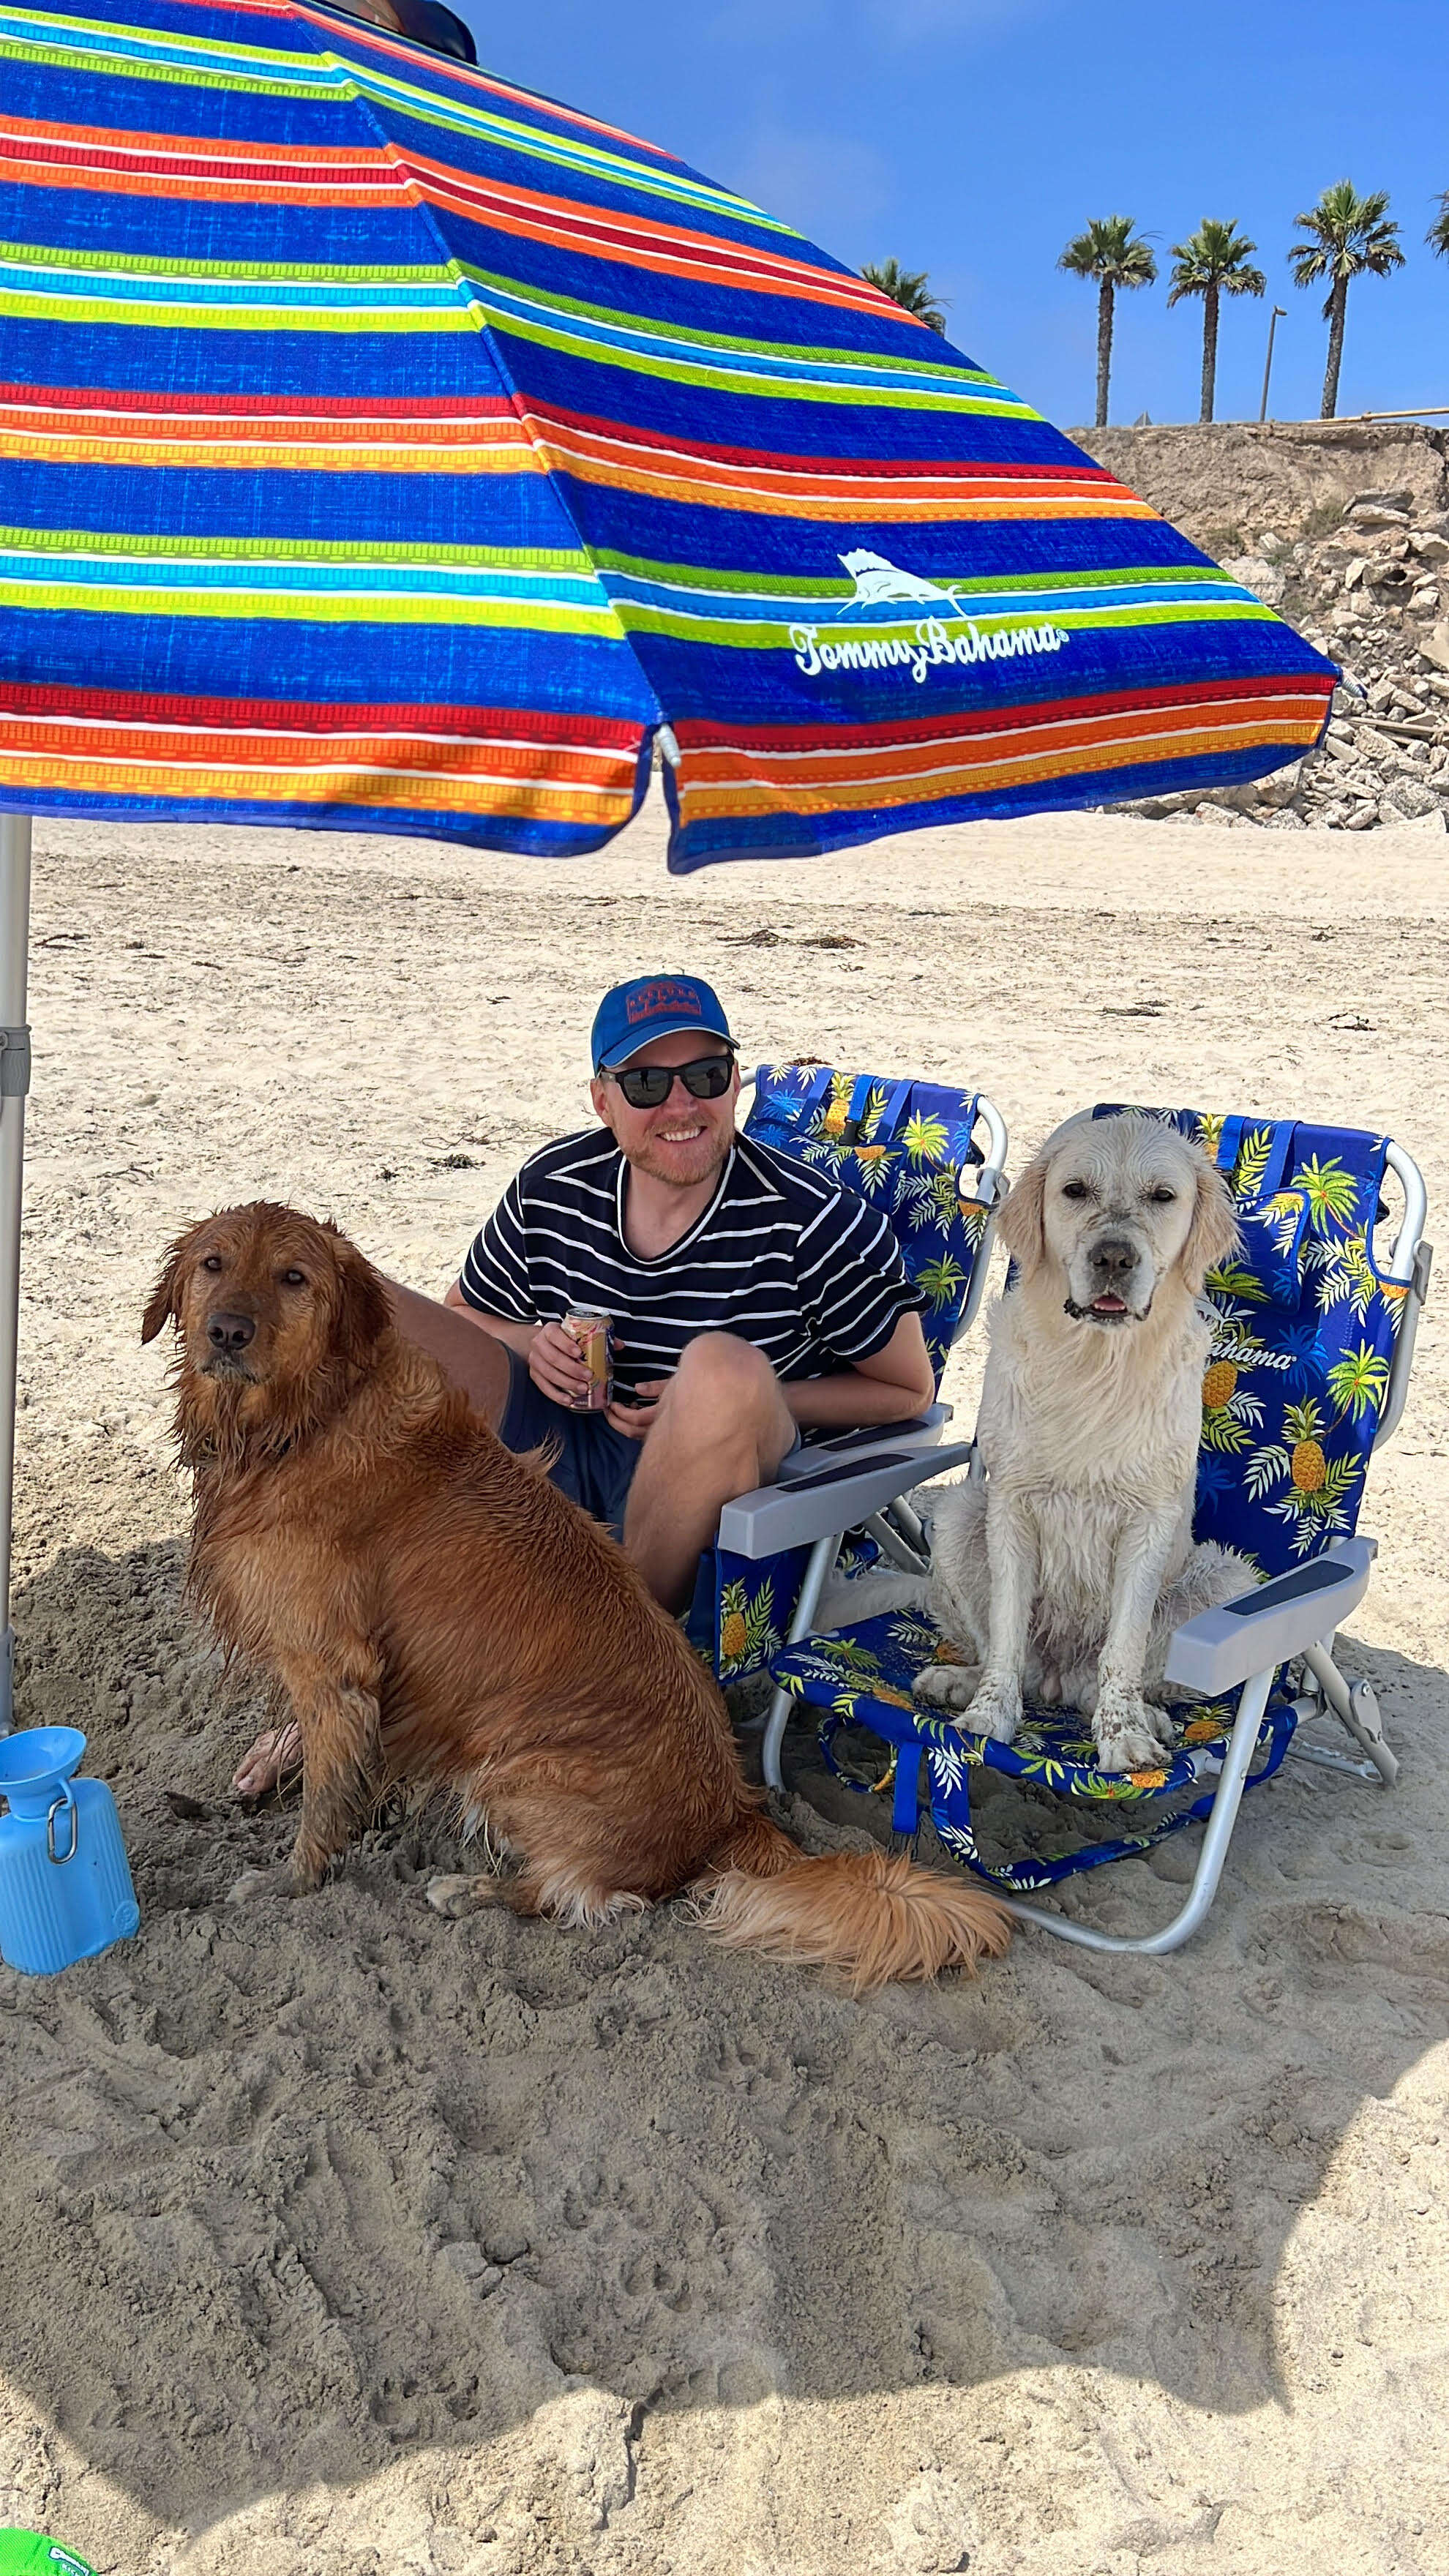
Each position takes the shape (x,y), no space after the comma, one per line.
(648,1086)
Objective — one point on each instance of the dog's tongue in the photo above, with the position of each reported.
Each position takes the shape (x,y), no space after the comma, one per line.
(1109,1305)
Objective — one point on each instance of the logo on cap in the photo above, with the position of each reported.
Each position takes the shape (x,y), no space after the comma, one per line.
(646,1001)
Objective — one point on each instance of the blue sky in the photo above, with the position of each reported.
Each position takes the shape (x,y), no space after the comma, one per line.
(972,137)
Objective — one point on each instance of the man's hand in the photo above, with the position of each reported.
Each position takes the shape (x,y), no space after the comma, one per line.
(556,1366)
(634,1419)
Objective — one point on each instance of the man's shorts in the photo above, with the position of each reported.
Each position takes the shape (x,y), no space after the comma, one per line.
(595,1463)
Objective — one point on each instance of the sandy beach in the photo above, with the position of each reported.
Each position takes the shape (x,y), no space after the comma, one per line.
(342,2240)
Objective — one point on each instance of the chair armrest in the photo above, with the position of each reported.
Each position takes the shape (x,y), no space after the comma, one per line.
(924,1430)
(1218,1649)
(827,1499)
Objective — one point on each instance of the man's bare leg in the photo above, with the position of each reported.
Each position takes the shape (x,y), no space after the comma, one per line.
(470,1358)
(472,1361)
(722,1428)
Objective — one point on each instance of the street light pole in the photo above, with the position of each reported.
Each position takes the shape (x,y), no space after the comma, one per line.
(1278,314)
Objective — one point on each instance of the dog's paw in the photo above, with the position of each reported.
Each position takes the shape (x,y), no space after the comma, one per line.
(995,1711)
(280,1880)
(458,1894)
(947,1685)
(1131,1734)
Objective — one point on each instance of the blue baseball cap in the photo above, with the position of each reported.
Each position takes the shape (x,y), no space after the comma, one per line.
(653,1006)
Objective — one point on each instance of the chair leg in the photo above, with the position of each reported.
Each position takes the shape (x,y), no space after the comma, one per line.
(1216,1836)
(911,1526)
(898,1550)
(817,1574)
(775,1725)
(1355,1705)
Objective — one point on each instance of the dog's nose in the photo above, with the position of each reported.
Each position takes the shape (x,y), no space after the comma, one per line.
(230,1332)
(1113,1256)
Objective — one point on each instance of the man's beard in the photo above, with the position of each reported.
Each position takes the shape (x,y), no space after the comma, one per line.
(707,1157)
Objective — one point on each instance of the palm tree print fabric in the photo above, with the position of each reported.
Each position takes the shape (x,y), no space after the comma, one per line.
(1304,1339)
(861,1680)
(1293,1391)
(905,1147)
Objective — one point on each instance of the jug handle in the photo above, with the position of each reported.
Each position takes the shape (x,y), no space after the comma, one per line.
(63,1798)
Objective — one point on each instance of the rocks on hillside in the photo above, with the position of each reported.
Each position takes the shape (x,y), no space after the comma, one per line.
(1373,593)
(1222,481)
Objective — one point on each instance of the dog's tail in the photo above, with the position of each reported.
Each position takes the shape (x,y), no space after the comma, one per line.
(875,1917)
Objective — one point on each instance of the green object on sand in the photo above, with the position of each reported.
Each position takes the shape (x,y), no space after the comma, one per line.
(28,2553)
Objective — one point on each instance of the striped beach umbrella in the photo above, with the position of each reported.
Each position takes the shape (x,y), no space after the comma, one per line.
(384,448)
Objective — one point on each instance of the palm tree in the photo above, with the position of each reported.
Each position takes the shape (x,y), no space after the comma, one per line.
(1111,252)
(911,288)
(1437,235)
(1213,261)
(1350,238)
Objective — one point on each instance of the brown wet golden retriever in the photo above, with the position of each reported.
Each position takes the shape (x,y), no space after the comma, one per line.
(436,1610)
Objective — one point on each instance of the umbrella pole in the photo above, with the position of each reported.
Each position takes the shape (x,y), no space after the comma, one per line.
(14,1084)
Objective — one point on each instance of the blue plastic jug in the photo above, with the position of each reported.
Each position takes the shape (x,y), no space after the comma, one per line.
(65,1884)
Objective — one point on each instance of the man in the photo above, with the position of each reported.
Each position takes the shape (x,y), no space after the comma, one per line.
(751,1298)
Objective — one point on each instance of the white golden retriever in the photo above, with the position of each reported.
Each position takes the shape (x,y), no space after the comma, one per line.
(1064,1576)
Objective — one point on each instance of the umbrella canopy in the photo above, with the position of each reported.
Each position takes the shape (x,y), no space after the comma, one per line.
(383,448)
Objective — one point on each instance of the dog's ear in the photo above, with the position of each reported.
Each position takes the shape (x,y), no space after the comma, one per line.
(363,1313)
(1213,1233)
(164,1304)
(1022,1223)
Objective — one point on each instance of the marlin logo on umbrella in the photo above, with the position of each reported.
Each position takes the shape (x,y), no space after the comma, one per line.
(926,641)
(878,583)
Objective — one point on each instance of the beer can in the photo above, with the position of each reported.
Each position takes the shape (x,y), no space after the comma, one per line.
(595,1342)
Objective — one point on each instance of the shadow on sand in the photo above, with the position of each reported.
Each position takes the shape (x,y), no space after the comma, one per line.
(297,2189)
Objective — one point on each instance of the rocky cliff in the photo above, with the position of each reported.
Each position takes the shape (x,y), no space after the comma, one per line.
(1344,527)
(1222,483)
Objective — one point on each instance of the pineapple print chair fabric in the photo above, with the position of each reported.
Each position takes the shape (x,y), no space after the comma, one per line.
(931,1159)
(1307,1372)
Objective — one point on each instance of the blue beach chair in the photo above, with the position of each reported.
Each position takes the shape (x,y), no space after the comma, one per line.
(1308,1373)
(933,1160)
